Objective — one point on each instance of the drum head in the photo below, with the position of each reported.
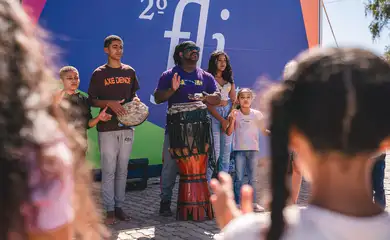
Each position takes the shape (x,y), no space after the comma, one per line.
(136,114)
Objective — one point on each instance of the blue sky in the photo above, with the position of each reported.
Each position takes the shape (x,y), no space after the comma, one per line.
(350,26)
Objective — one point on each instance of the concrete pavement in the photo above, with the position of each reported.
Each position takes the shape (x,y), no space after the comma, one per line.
(146,223)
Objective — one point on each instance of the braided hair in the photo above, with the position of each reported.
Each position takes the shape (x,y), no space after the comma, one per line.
(227,74)
(333,96)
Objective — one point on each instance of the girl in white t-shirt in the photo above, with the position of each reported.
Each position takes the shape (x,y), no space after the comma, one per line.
(329,111)
(245,124)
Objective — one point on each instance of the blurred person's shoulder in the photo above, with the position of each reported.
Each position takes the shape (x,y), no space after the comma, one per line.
(253,226)
(310,223)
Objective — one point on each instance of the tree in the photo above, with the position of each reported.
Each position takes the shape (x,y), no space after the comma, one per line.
(387,54)
(380,11)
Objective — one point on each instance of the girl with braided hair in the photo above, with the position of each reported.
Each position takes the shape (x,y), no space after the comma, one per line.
(328,111)
(44,178)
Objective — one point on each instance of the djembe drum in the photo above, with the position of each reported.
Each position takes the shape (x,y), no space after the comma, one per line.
(136,113)
(189,130)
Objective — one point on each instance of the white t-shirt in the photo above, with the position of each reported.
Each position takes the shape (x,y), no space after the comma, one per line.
(312,223)
(247,131)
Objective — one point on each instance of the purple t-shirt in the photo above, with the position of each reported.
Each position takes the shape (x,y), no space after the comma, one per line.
(197,81)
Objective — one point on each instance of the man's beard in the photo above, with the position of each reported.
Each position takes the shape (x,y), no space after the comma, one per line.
(190,60)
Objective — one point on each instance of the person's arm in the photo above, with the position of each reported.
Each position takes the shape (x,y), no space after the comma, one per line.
(161,96)
(224,122)
(261,124)
(93,122)
(213,96)
(266,132)
(214,113)
(90,120)
(134,88)
(232,123)
(103,116)
(167,86)
(233,98)
(232,93)
(93,91)
(213,99)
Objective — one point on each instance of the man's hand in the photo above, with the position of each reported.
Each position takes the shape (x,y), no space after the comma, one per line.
(136,99)
(212,99)
(223,200)
(175,82)
(116,107)
(103,116)
(200,96)
(196,97)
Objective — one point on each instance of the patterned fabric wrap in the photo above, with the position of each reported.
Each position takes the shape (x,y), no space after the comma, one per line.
(190,136)
(190,133)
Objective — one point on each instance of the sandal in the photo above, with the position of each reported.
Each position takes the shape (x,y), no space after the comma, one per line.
(110,218)
(121,215)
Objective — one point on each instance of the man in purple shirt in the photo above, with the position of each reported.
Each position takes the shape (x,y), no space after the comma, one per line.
(178,85)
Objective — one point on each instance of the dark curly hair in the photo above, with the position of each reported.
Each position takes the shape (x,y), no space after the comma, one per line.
(27,114)
(333,96)
(227,74)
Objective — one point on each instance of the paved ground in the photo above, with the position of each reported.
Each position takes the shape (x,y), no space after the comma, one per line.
(147,224)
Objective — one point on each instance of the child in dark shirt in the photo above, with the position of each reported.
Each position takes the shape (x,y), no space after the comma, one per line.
(70,79)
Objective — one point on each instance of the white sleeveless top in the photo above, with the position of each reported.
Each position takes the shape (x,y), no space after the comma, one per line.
(224,90)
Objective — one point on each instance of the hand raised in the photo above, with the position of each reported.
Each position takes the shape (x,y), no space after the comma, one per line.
(223,200)
(175,82)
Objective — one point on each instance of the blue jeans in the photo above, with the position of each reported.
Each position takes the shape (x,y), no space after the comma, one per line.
(222,142)
(378,176)
(168,173)
(246,161)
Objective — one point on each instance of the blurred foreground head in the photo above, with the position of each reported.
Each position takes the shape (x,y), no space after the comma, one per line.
(332,99)
(38,148)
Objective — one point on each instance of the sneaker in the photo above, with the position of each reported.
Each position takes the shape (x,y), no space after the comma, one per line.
(121,215)
(165,208)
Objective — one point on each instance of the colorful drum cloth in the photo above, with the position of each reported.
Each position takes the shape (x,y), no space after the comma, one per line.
(190,136)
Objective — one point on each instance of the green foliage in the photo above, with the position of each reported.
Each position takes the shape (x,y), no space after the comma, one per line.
(386,55)
(380,11)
